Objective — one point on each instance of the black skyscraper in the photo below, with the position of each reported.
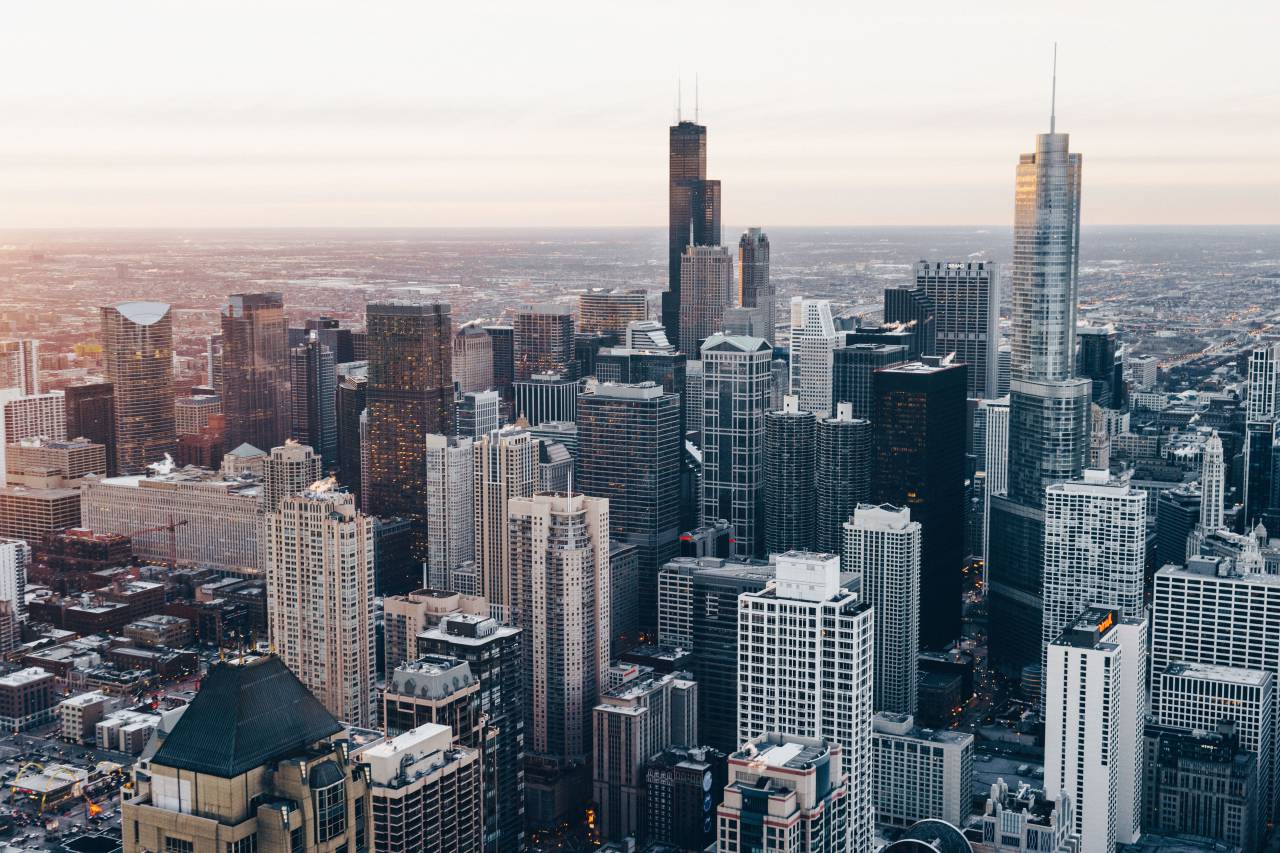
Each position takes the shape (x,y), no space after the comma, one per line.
(694,207)
(913,310)
(90,413)
(504,365)
(312,398)
(1099,359)
(841,475)
(920,459)
(853,368)
(788,479)
(349,404)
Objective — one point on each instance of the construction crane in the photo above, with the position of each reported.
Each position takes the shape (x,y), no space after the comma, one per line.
(172,529)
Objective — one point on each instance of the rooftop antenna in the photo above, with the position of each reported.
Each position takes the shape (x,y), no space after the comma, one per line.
(679,100)
(1053,96)
(697,104)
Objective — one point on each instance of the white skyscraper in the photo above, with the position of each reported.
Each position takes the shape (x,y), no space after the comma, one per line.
(882,546)
(318,555)
(450,505)
(1212,480)
(805,651)
(15,557)
(506,467)
(996,438)
(813,342)
(1095,533)
(1094,709)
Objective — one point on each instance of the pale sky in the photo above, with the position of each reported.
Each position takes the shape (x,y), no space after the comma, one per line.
(430,113)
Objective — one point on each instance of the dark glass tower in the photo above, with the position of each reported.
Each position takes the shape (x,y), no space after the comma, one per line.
(1099,361)
(504,365)
(409,395)
(544,341)
(629,452)
(788,478)
(754,288)
(312,394)
(349,403)
(90,412)
(919,426)
(137,351)
(694,208)
(255,370)
(966,315)
(841,474)
(913,310)
(853,368)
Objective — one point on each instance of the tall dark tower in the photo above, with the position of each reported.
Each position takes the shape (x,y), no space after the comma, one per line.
(754,288)
(90,411)
(841,474)
(409,396)
(788,478)
(694,207)
(255,370)
(137,352)
(919,463)
(313,380)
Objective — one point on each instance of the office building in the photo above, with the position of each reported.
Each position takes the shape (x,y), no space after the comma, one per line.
(409,396)
(255,369)
(1099,361)
(318,559)
(706,290)
(919,463)
(408,615)
(472,359)
(90,413)
(789,514)
(755,290)
(349,404)
(1257,469)
(1204,784)
(30,513)
(22,417)
(693,214)
(289,470)
(506,467)
(632,723)
(853,369)
(477,413)
(788,794)
(450,507)
(222,779)
(648,336)
(433,689)
(813,342)
(841,474)
(546,397)
(313,415)
(735,394)
(829,641)
(555,467)
(630,448)
(144,419)
(1177,515)
(560,574)
(41,458)
(882,546)
(493,654)
(503,338)
(966,317)
(911,311)
(544,341)
(611,312)
(191,414)
(558,432)
(1212,484)
(683,788)
(1094,710)
(1025,819)
(20,366)
(1095,546)
(919,774)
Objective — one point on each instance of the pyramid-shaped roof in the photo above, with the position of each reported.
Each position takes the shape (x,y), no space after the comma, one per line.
(246,714)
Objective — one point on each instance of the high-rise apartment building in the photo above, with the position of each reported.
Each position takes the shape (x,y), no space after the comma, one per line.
(1095,706)
(20,365)
(919,774)
(882,546)
(629,452)
(853,369)
(435,689)
(506,467)
(409,396)
(450,506)
(29,416)
(611,312)
(255,370)
(706,290)
(813,342)
(735,392)
(544,341)
(137,352)
(841,474)
(290,469)
(966,319)
(919,426)
(559,545)
(318,560)
(91,414)
(1095,546)
(313,383)
(472,359)
(683,788)
(755,290)
(15,559)
(813,677)
(788,478)
(694,213)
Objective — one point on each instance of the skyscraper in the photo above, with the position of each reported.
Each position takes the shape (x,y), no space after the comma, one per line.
(318,555)
(694,213)
(629,452)
(610,312)
(255,370)
(755,290)
(137,351)
(882,546)
(1212,480)
(560,574)
(813,677)
(20,365)
(313,381)
(472,359)
(506,467)
(90,413)
(735,395)
(504,364)
(1048,407)
(910,311)
(477,413)
(349,402)
(409,396)
(546,397)
(919,463)
(966,319)
(289,470)
(451,508)
(841,474)
(544,341)
(1099,361)
(813,340)
(788,478)
(706,289)
(853,368)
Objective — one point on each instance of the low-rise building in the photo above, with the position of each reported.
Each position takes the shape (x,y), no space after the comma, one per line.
(126,731)
(26,699)
(159,629)
(79,715)
(919,773)
(1023,821)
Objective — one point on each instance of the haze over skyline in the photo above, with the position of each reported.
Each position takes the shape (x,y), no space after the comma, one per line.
(291,114)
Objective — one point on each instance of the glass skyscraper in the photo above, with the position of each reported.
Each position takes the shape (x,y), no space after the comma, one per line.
(694,207)
(137,352)
(255,370)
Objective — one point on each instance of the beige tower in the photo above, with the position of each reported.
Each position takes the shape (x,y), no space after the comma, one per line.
(506,467)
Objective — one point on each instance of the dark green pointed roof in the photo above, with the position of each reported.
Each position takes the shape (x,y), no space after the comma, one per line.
(244,716)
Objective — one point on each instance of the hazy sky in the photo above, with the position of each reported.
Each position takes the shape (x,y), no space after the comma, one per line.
(272,113)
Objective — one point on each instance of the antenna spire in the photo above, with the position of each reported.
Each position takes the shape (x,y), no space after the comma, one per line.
(1053,96)
(679,100)
(697,102)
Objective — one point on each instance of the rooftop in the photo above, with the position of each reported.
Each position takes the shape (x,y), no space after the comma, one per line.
(1213,672)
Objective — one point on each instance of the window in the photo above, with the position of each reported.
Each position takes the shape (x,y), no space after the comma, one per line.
(178,845)
(248,844)
(297,841)
(331,811)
